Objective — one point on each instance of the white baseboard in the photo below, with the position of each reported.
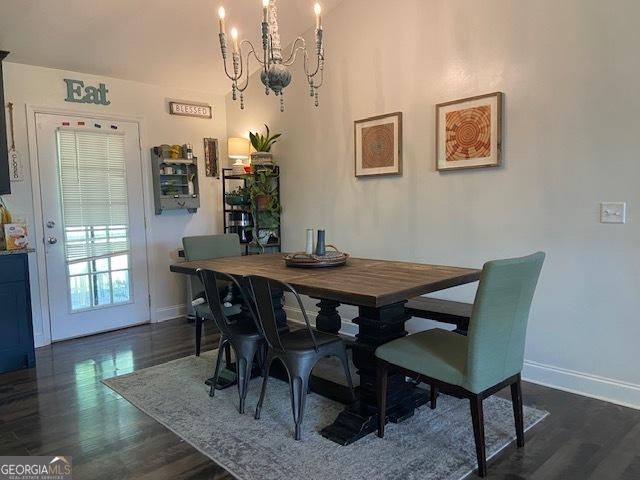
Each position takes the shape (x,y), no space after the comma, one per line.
(39,340)
(593,386)
(168,313)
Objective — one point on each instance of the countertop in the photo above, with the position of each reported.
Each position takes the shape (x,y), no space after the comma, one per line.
(17,252)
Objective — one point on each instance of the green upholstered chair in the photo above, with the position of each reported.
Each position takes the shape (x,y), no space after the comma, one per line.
(488,359)
(205,247)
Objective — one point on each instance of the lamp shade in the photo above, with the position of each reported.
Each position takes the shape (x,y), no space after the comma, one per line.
(238,147)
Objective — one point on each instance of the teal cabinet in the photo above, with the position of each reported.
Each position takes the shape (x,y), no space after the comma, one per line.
(16,330)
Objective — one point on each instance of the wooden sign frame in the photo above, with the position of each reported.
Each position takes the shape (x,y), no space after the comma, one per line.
(186,109)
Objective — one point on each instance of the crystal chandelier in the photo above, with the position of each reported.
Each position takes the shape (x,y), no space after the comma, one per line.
(275,73)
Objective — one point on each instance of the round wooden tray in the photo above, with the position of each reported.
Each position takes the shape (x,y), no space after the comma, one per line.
(330,259)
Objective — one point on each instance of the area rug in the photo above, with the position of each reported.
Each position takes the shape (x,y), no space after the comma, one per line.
(433,444)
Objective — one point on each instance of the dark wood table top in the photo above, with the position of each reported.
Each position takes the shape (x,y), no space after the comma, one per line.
(362,282)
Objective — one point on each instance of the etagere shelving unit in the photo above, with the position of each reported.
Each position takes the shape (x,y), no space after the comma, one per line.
(257,234)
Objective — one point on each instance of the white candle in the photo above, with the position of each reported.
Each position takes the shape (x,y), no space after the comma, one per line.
(309,248)
(234,36)
(265,11)
(221,14)
(318,10)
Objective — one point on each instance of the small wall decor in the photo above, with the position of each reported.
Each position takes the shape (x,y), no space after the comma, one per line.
(469,133)
(78,93)
(211,164)
(378,145)
(16,168)
(175,179)
(190,109)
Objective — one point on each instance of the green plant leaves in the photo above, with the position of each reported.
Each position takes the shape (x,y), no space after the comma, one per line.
(264,184)
(263,143)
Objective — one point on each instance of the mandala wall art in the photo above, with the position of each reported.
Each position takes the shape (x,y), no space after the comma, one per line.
(378,145)
(469,133)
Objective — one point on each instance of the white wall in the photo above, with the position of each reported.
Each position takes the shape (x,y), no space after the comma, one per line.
(569,71)
(43,87)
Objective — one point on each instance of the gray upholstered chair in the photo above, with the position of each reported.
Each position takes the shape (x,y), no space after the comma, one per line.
(478,365)
(205,247)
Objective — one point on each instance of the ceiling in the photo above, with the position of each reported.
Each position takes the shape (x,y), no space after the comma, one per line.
(162,42)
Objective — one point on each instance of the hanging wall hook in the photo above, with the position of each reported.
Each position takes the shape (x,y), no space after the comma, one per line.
(13,135)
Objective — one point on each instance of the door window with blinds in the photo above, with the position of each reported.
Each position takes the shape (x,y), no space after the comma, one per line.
(95,214)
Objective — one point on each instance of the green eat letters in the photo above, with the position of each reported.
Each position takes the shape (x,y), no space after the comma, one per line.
(78,93)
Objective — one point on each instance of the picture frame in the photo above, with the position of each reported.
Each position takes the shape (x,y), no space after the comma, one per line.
(469,133)
(211,158)
(378,145)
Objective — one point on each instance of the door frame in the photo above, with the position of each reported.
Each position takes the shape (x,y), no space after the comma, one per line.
(38,233)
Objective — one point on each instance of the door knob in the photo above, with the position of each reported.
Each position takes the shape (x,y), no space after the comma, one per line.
(52,240)
(51,224)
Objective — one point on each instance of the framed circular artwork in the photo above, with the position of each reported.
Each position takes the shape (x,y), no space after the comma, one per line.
(378,145)
(469,133)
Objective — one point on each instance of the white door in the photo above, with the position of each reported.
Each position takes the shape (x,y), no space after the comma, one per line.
(93,215)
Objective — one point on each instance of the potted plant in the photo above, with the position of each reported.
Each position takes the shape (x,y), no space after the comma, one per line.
(264,202)
(262,145)
(239,196)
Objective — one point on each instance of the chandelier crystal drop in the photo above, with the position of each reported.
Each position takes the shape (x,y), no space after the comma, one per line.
(275,74)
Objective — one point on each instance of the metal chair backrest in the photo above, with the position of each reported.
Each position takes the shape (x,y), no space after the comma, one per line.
(211,281)
(262,289)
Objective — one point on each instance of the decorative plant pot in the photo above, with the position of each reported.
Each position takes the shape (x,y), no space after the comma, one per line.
(261,158)
(232,199)
(262,202)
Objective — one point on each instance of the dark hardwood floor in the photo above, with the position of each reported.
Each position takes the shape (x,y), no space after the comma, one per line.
(61,408)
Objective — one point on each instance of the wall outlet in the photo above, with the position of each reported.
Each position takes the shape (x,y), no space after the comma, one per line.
(613,212)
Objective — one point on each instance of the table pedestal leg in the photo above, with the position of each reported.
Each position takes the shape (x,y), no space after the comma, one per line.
(278,308)
(328,319)
(376,326)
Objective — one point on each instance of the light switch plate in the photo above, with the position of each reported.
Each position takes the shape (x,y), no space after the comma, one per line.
(613,212)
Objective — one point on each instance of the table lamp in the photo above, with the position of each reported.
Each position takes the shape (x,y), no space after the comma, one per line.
(238,149)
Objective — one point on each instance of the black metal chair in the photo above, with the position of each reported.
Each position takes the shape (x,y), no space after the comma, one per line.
(298,350)
(244,335)
(205,247)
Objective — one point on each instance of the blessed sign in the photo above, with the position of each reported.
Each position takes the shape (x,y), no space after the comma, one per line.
(190,109)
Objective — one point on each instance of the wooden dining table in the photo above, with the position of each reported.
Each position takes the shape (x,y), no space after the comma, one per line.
(380,289)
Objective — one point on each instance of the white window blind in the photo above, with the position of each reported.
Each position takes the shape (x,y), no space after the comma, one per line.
(93,189)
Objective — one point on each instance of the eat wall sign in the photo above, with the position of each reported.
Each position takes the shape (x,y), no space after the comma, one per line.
(77,92)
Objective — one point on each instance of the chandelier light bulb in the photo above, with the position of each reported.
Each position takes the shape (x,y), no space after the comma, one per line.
(317,9)
(221,14)
(265,3)
(234,36)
